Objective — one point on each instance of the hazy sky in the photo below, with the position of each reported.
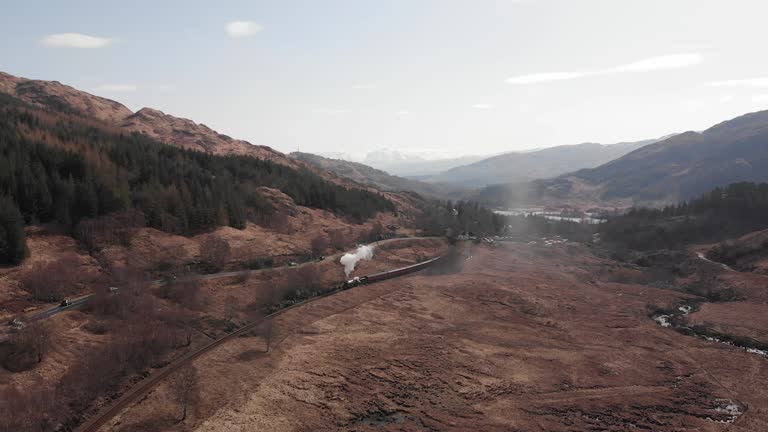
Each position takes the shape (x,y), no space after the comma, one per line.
(449,76)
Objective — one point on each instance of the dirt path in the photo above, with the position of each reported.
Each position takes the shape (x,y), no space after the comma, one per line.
(724,266)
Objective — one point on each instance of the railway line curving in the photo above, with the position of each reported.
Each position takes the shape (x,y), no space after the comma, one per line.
(94,423)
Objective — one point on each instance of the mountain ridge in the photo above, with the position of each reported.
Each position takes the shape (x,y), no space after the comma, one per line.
(176,131)
(544,163)
(369,176)
(688,164)
(678,168)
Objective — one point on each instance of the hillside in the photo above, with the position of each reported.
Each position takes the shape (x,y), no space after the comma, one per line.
(373,177)
(724,212)
(65,170)
(674,169)
(680,167)
(60,97)
(545,163)
(155,124)
(746,253)
(90,168)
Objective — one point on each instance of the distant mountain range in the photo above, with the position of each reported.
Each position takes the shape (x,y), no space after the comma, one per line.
(404,164)
(677,168)
(689,164)
(537,164)
(370,176)
(414,166)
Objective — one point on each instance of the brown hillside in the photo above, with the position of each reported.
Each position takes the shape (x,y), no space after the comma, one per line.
(53,94)
(175,131)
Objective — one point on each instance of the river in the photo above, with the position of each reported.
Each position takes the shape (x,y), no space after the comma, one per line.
(587,218)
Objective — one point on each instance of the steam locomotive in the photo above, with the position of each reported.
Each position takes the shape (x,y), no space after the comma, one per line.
(377,277)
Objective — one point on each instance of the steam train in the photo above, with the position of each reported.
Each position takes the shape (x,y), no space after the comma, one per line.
(378,277)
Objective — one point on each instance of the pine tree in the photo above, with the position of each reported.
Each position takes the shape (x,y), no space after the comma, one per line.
(13,240)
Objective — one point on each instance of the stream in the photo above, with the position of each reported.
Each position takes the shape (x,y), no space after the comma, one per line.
(676,320)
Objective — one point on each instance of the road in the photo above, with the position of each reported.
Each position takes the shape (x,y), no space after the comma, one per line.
(81,301)
(74,304)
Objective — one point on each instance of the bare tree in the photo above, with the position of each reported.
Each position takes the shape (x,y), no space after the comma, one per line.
(27,408)
(121,297)
(215,252)
(51,280)
(189,328)
(281,223)
(338,239)
(40,339)
(28,347)
(319,244)
(230,309)
(376,233)
(184,389)
(116,228)
(183,321)
(307,277)
(184,290)
(266,331)
(266,300)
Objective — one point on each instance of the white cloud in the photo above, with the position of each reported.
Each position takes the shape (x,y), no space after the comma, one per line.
(760,98)
(726,98)
(483,106)
(693,103)
(544,77)
(116,88)
(362,86)
(240,29)
(331,111)
(749,82)
(75,40)
(674,61)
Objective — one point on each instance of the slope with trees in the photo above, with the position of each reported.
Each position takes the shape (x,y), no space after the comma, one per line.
(379,179)
(724,212)
(58,168)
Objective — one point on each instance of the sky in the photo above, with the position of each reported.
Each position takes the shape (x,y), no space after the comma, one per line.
(433,77)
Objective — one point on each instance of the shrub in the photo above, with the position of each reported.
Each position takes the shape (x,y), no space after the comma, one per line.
(51,280)
(215,252)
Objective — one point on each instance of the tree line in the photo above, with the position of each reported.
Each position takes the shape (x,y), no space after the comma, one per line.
(461,217)
(724,212)
(471,218)
(60,169)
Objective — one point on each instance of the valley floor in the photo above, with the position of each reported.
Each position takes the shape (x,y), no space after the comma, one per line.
(523,338)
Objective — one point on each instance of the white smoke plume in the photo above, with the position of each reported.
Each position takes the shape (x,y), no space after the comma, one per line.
(349,260)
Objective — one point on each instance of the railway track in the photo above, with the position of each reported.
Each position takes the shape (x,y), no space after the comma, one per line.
(94,423)
(82,301)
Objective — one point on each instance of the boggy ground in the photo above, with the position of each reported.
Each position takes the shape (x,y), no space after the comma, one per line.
(523,338)
(70,337)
